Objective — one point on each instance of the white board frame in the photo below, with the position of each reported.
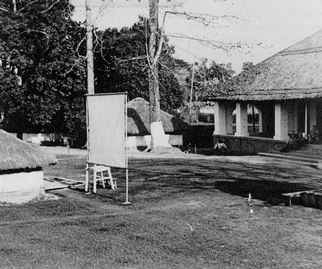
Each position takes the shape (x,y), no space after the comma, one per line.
(98,156)
(89,163)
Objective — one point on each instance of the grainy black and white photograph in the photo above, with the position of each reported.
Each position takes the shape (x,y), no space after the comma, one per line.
(161,134)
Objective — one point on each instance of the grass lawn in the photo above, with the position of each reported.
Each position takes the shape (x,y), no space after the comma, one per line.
(186,213)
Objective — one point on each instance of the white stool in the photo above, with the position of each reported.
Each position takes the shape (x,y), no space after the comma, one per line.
(101,174)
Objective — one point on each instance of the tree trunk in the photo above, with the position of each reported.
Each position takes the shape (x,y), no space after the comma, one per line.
(89,46)
(158,137)
(154,95)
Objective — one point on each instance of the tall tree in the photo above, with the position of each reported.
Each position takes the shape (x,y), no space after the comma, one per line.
(209,79)
(121,65)
(156,37)
(38,44)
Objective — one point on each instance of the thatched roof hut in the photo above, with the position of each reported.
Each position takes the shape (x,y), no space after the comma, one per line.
(293,73)
(138,119)
(16,154)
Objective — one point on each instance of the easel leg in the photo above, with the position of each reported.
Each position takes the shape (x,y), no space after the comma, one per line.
(127,202)
(103,179)
(112,182)
(87,178)
(94,182)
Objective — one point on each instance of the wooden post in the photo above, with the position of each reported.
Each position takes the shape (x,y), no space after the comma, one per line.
(191,91)
(90,82)
(155,115)
(126,202)
(89,46)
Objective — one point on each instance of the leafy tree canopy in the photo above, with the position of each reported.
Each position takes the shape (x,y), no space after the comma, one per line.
(209,78)
(43,72)
(42,79)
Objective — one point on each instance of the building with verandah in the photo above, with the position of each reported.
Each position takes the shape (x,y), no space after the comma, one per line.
(287,93)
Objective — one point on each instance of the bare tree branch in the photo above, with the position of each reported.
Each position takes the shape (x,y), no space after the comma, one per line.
(4,9)
(50,7)
(159,49)
(78,46)
(142,57)
(28,4)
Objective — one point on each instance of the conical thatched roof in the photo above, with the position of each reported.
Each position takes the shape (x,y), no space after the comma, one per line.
(138,119)
(16,154)
(294,73)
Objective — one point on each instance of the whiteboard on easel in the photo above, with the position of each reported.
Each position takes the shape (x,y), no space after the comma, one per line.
(106,119)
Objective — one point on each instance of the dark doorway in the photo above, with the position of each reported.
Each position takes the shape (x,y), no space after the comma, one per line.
(301,117)
(319,119)
(268,119)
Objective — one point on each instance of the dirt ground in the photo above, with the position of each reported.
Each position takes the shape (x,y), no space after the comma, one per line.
(185,213)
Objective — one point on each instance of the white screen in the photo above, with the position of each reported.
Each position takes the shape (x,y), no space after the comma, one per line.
(107,134)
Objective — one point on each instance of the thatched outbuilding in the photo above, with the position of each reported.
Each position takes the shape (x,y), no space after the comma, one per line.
(21,175)
(138,125)
(287,90)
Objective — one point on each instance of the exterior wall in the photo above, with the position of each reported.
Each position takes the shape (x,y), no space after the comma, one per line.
(229,118)
(292,109)
(144,141)
(313,114)
(21,187)
(176,140)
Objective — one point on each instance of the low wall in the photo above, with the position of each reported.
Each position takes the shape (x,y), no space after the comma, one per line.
(199,136)
(39,138)
(250,145)
(21,187)
(134,142)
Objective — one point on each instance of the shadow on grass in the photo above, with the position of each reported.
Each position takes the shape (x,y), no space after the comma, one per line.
(264,184)
(268,191)
(162,179)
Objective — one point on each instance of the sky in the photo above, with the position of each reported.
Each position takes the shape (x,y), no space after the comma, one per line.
(235,31)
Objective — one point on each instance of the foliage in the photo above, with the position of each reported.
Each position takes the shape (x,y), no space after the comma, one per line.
(209,78)
(38,46)
(121,65)
(241,81)
(247,75)
(41,47)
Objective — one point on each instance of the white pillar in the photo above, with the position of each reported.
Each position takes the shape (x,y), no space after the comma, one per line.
(313,114)
(220,119)
(306,118)
(241,120)
(260,120)
(281,122)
